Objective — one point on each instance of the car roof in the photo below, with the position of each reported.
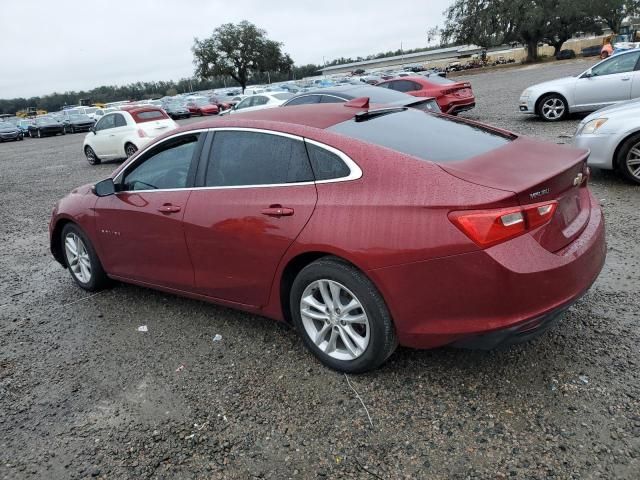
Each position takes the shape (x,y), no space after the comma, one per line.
(320,116)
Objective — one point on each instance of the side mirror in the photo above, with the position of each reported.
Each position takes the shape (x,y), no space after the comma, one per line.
(588,74)
(104,188)
(93,129)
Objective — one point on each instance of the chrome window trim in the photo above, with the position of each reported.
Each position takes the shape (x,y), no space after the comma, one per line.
(354,168)
(118,177)
(311,94)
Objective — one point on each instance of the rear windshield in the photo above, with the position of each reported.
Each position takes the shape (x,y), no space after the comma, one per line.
(283,96)
(149,115)
(429,137)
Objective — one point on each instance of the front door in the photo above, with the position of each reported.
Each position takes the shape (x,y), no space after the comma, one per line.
(258,194)
(140,227)
(102,137)
(610,82)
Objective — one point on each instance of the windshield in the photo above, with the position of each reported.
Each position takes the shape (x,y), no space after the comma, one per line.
(429,137)
(201,101)
(45,120)
(91,110)
(6,125)
(79,117)
(283,96)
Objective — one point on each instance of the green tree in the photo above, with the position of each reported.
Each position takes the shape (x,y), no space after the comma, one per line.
(613,12)
(238,51)
(495,22)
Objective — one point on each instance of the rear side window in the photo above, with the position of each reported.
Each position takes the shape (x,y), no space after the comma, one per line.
(149,116)
(120,120)
(429,137)
(326,165)
(303,100)
(252,158)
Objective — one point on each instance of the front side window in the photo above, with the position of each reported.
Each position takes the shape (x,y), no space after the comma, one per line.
(165,166)
(617,64)
(106,122)
(244,103)
(252,158)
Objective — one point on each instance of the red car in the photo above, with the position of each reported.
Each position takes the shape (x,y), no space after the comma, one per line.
(202,106)
(363,228)
(452,97)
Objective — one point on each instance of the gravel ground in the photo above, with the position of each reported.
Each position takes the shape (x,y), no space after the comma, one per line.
(84,394)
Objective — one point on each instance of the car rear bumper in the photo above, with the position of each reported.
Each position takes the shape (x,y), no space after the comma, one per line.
(450,299)
(458,105)
(602,148)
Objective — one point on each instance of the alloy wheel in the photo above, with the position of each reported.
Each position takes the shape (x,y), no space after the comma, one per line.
(633,161)
(130,150)
(553,108)
(335,320)
(77,257)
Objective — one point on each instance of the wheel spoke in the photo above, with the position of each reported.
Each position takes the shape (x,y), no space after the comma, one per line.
(71,246)
(326,296)
(357,339)
(633,161)
(320,316)
(322,333)
(310,301)
(359,318)
(335,295)
(636,152)
(331,346)
(353,349)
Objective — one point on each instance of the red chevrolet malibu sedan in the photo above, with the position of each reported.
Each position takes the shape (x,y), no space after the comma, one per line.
(364,228)
(452,97)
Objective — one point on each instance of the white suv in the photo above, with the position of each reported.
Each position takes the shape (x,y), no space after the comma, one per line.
(120,134)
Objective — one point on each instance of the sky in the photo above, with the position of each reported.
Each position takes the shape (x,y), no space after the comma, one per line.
(56,46)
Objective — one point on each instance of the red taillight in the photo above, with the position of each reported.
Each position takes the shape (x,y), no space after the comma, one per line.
(490,227)
(142,133)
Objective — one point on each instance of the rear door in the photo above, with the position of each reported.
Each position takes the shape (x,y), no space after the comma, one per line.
(257,195)
(610,82)
(139,228)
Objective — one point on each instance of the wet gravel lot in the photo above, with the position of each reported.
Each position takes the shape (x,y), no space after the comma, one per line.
(84,394)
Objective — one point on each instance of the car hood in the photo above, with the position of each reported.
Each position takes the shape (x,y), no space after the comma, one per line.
(557,83)
(8,130)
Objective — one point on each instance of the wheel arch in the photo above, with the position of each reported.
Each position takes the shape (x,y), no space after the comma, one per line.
(615,161)
(56,240)
(294,266)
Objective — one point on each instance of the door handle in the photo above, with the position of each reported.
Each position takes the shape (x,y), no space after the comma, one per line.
(625,79)
(168,208)
(277,211)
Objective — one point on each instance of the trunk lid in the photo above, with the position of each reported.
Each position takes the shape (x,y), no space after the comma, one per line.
(460,90)
(536,172)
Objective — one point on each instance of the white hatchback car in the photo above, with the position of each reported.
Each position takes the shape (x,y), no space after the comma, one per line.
(611,81)
(258,102)
(120,134)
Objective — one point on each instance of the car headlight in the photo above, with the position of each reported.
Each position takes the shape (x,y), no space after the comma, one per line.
(526,94)
(591,127)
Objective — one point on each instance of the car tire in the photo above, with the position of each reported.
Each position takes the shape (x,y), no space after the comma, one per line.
(351,341)
(130,149)
(73,130)
(39,134)
(92,158)
(553,108)
(81,259)
(628,159)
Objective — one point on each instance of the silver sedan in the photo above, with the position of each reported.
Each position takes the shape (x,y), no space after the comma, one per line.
(613,136)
